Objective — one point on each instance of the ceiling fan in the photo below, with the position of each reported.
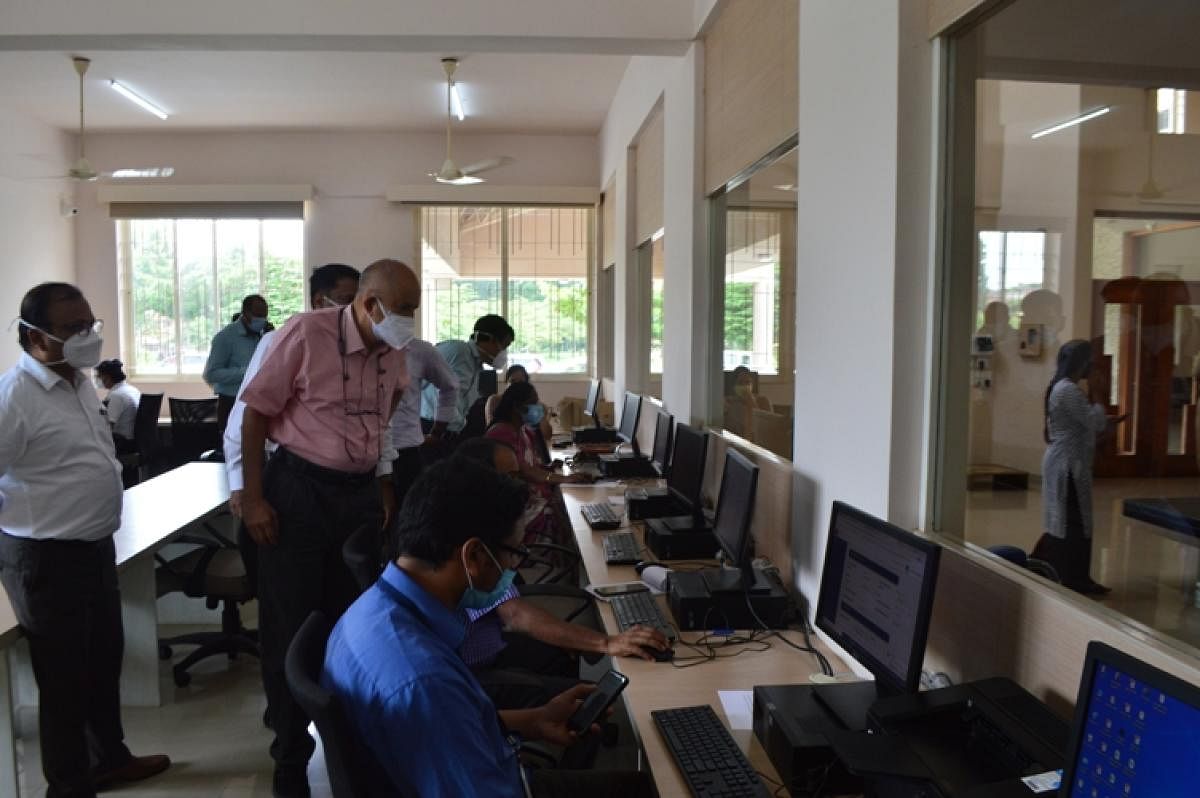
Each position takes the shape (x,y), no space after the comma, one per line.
(450,173)
(82,169)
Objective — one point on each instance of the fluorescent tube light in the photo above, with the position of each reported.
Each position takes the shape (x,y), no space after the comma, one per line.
(456,102)
(1101,111)
(659,233)
(137,99)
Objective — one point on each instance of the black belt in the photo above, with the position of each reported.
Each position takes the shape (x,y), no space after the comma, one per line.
(330,476)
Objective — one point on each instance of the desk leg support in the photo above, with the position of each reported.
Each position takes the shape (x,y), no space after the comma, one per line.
(8,732)
(139,670)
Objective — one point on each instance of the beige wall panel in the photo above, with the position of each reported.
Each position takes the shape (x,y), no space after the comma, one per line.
(945,13)
(608,219)
(751,77)
(648,177)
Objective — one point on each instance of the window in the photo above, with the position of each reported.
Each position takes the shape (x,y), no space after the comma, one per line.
(752,290)
(529,265)
(1172,111)
(1011,265)
(184,279)
(657,275)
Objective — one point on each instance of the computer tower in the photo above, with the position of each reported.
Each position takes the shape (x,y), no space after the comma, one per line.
(594,435)
(792,728)
(676,539)
(642,503)
(697,609)
(626,466)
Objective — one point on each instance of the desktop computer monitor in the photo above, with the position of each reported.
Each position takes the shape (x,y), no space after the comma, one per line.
(631,413)
(735,509)
(664,427)
(686,478)
(876,596)
(591,407)
(1136,730)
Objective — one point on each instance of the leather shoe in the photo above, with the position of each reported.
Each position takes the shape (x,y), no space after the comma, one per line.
(136,769)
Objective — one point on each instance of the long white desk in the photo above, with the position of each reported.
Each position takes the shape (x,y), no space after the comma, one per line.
(659,685)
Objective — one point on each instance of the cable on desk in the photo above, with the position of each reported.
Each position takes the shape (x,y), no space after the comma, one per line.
(807,648)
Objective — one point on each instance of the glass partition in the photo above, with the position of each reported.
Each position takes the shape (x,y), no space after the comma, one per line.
(1067,437)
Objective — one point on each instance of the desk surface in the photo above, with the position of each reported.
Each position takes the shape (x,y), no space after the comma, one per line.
(156,510)
(660,685)
(1180,514)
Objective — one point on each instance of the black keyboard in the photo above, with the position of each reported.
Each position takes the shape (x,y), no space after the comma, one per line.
(621,548)
(709,759)
(600,515)
(640,609)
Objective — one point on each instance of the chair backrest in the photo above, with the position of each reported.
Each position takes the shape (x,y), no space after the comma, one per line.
(193,411)
(1014,555)
(362,554)
(353,772)
(193,428)
(145,425)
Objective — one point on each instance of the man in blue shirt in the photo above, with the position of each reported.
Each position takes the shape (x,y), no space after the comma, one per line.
(230,354)
(488,343)
(393,663)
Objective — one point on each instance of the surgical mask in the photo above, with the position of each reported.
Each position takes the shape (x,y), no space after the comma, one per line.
(395,330)
(500,361)
(744,391)
(80,351)
(327,302)
(258,324)
(474,599)
(534,414)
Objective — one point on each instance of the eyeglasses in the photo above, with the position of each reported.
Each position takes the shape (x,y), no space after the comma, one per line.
(85,329)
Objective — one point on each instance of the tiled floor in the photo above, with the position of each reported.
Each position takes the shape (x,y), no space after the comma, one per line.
(1153,573)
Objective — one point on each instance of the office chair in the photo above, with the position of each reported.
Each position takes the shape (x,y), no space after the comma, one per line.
(353,771)
(146,462)
(1017,556)
(215,572)
(193,429)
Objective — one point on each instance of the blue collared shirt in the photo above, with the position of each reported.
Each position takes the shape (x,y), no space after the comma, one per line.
(464,360)
(392,661)
(232,349)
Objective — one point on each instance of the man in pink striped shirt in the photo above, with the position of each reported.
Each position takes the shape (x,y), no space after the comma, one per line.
(323,394)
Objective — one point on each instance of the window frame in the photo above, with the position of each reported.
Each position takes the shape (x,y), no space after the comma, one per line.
(505,237)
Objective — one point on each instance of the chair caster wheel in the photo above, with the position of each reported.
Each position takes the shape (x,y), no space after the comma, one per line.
(164,652)
(182,678)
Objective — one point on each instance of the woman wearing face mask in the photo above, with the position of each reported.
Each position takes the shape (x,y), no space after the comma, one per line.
(517,413)
(517,373)
(121,404)
(740,407)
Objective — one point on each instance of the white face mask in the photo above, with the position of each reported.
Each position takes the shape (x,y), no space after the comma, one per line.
(500,361)
(395,330)
(80,351)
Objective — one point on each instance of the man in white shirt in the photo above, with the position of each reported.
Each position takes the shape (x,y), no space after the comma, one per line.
(60,503)
(121,404)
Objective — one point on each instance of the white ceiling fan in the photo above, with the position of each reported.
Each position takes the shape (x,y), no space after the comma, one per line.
(83,170)
(450,173)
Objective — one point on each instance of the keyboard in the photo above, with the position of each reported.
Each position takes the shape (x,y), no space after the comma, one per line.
(601,515)
(621,548)
(640,609)
(709,759)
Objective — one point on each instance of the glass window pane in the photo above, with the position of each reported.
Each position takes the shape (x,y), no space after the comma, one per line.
(751,285)
(657,288)
(460,265)
(197,292)
(284,283)
(152,314)
(237,264)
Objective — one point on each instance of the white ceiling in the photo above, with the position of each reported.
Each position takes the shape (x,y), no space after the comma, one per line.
(537,66)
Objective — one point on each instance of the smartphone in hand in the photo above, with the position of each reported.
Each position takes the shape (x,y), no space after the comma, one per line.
(597,702)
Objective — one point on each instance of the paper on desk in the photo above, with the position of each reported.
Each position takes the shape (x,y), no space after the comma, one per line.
(617,501)
(739,707)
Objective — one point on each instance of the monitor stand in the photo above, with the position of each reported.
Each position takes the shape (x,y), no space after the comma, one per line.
(848,702)
(733,580)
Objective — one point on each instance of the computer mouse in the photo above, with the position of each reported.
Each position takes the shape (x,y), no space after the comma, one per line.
(644,564)
(661,656)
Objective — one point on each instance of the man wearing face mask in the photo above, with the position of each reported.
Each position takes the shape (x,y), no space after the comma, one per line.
(60,503)
(230,354)
(323,395)
(393,663)
(488,344)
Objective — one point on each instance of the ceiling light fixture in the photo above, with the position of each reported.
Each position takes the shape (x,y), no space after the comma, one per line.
(456,102)
(658,234)
(137,99)
(143,174)
(1101,111)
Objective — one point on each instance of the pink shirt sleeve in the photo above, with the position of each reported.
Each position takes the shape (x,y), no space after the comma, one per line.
(275,383)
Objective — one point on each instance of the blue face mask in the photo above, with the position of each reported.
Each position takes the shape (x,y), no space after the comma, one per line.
(258,323)
(475,599)
(534,415)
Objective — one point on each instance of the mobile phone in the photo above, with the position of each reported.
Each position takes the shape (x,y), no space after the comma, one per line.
(594,706)
(608,591)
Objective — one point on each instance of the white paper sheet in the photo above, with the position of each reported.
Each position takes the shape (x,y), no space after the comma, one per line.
(739,707)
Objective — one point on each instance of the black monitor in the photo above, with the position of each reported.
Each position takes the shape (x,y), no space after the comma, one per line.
(592,406)
(876,596)
(664,428)
(686,478)
(735,509)
(1136,730)
(631,413)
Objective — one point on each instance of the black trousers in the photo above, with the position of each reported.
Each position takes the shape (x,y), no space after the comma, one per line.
(66,598)
(1071,555)
(224,408)
(301,573)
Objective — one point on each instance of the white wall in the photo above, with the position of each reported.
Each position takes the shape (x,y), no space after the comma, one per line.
(348,220)
(37,244)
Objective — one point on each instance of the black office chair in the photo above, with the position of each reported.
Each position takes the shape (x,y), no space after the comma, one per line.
(353,771)
(193,429)
(1017,556)
(146,462)
(215,572)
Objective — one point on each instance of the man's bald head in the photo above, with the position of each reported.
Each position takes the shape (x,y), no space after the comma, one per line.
(386,285)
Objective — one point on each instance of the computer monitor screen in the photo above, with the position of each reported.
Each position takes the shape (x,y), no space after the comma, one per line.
(735,508)
(877,595)
(1136,731)
(664,428)
(686,479)
(592,404)
(631,412)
